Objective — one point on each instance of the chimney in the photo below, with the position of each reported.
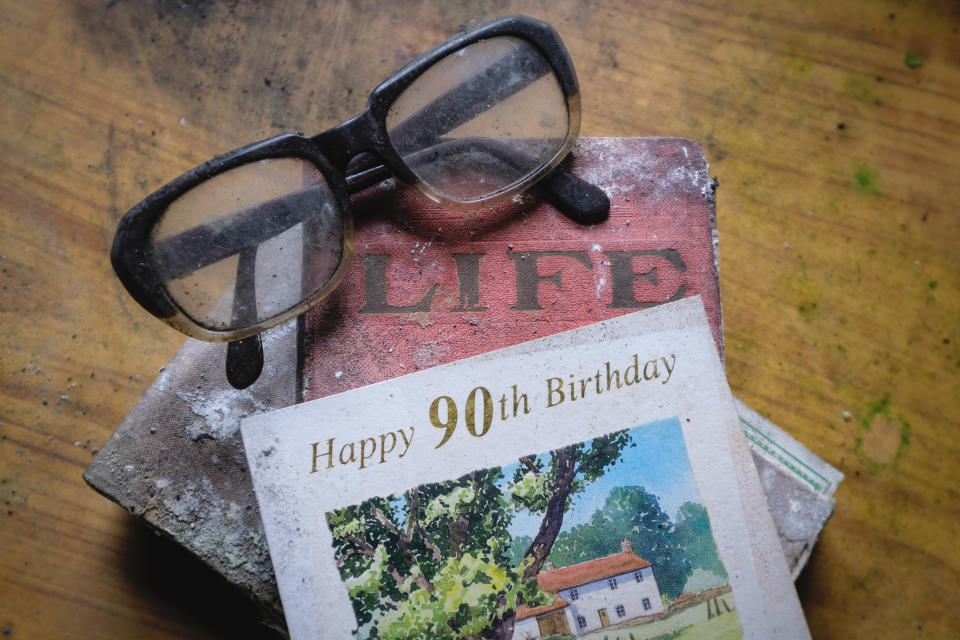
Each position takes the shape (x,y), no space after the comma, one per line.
(625,545)
(547,566)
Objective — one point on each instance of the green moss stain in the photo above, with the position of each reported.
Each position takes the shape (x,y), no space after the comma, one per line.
(874,409)
(932,284)
(883,438)
(865,179)
(912,60)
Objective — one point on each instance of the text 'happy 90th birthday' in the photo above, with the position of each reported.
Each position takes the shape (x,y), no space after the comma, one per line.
(481,408)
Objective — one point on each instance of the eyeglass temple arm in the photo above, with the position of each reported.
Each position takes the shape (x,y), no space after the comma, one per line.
(245,356)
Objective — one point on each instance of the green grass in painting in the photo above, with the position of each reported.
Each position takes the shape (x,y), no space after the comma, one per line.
(688,624)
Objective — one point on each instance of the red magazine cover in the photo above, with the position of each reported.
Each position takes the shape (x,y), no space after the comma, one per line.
(429,286)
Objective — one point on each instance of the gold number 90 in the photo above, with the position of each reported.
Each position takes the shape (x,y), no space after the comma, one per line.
(470,414)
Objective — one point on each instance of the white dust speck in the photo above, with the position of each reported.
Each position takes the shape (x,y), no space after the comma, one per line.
(628,171)
(219,411)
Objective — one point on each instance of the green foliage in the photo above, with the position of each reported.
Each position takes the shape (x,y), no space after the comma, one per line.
(602,453)
(433,564)
(534,483)
(701,580)
(631,512)
(449,505)
(531,489)
(693,534)
(518,549)
(439,562)
(467,590)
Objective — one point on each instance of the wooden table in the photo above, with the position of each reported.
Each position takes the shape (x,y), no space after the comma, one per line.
(838,166)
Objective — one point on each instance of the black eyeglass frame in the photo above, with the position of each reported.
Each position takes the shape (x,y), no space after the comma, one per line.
(331,152)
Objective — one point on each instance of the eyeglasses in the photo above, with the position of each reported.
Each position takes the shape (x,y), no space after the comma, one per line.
(255,237)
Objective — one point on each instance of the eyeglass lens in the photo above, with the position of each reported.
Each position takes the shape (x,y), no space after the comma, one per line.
(481,120)
(230,251)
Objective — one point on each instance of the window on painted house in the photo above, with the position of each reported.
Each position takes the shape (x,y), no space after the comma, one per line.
(646,604)
(621,611)
(581,622)
(639,576)
(574,594)
(613,583)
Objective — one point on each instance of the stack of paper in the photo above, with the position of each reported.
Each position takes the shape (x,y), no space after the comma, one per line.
(430,288)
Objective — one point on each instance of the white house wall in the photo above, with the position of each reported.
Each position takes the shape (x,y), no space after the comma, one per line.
(597,595)
(528,628)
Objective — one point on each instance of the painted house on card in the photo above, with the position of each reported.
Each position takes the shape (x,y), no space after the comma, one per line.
(592,595)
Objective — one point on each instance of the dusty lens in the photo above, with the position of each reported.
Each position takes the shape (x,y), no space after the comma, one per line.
(232,251)
(481,120)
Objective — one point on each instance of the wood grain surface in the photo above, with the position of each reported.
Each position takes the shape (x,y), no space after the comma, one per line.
(839,179)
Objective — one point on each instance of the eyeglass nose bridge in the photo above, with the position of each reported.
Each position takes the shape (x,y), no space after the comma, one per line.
(357,135)
(364,135)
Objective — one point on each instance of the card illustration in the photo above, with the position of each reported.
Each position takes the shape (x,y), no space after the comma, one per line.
(578,542)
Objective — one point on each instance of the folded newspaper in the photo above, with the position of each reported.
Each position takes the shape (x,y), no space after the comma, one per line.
(593,480)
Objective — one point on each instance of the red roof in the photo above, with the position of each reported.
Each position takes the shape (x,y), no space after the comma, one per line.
(590,571)
(524,612)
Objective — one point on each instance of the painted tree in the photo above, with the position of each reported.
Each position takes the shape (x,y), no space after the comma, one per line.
(435,562)
(694,535)
(547,487)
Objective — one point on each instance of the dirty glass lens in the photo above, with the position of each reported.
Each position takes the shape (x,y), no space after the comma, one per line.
(481,120)
(231,251)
